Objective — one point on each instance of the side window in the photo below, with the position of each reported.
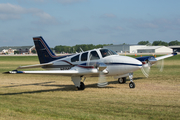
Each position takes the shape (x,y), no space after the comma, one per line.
(84,56)
(75,58)
(94,55)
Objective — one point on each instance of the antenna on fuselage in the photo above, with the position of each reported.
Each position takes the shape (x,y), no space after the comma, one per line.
(81,49)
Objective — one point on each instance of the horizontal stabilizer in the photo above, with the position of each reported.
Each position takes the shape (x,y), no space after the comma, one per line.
(34,66)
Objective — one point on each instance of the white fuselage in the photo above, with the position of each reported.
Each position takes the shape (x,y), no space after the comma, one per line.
(116,65)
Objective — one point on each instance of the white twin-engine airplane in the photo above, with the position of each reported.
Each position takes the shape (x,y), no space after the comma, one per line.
(93,63)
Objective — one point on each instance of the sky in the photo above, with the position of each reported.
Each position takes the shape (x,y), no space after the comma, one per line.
(72,22)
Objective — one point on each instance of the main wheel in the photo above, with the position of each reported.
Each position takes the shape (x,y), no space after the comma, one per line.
(122,80)
(82,86)
(132,85)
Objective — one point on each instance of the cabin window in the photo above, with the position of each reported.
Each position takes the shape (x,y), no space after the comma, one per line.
(107,52)
(84,56)
(75,58)
(94,55)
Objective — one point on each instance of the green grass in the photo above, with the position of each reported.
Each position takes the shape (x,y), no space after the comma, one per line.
(55,97)
(18,58)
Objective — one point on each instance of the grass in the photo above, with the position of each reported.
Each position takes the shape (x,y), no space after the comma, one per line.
(55,97)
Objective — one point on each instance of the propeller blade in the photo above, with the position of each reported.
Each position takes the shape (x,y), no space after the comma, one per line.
(160,65)
(102,80)
(146,69)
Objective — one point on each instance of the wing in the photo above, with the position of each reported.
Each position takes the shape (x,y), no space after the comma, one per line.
(152,60)
(148,61)
(75,71)
(166,56)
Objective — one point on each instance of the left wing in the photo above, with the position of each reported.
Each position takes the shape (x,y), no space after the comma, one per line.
(166,56)
(152,60)
(148,61)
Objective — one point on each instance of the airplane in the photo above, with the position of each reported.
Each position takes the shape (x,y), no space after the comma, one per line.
(93,63)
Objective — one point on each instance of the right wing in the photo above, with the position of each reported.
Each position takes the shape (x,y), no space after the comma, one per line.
(75,71)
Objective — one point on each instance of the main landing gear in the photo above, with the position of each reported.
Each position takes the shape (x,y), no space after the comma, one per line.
(82,86)
(77,82)
(122,80)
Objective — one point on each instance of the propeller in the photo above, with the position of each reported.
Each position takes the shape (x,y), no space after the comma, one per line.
(146,68)
(102,77)
(101,67)
(160,65)
(148,63)
(102,80)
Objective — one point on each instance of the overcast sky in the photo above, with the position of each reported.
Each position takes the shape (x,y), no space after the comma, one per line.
(71,22)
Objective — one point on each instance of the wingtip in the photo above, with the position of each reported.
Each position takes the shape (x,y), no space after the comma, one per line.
(6,72)
(174,54)
(10,72)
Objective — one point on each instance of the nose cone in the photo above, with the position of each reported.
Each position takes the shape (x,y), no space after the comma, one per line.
(138,63)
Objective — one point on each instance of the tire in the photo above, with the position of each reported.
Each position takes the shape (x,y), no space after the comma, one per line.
(132,85)
(122,80)
(82,86)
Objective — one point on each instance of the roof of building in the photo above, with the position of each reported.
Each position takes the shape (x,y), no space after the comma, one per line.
(150,47)
(175,46)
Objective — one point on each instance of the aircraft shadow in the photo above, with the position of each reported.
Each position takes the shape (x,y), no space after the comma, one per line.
(61,87)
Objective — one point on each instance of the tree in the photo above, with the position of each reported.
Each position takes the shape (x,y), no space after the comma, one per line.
(76,48)
(176,42)
(143,43)
(33,51)
(160,43)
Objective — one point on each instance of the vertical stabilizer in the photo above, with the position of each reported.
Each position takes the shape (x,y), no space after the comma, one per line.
(45,54)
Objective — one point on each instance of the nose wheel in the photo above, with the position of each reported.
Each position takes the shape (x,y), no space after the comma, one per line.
(131,84)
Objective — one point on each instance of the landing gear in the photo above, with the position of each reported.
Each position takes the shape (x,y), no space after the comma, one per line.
(77,82)
(122,80)
(82,86)
(131,84)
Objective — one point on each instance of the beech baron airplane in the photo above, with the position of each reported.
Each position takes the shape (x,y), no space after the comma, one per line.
(93,63)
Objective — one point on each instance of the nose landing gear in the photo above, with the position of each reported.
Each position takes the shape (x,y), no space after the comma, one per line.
(131,84)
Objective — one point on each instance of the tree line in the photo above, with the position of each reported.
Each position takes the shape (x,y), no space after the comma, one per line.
(159,43)
(85,47)
(77,48)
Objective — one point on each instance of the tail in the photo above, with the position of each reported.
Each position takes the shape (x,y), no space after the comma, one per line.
(45,54)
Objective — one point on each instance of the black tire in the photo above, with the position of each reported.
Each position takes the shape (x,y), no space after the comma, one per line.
(82,86)
(132,85)
(122,80)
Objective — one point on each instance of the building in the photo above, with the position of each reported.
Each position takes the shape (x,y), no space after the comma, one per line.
(17,49)
(139,49)
(175,48)
(155,49)
(124,48)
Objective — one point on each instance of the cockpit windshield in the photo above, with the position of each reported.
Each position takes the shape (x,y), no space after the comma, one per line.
(107,52)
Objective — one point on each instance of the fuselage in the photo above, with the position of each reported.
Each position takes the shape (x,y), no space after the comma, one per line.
(116,64)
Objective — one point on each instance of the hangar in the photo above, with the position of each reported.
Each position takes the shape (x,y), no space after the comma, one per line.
(175,48)
(125,48)
(155,49)
(139,49)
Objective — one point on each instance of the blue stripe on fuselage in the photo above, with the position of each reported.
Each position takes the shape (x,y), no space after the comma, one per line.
(123,64)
